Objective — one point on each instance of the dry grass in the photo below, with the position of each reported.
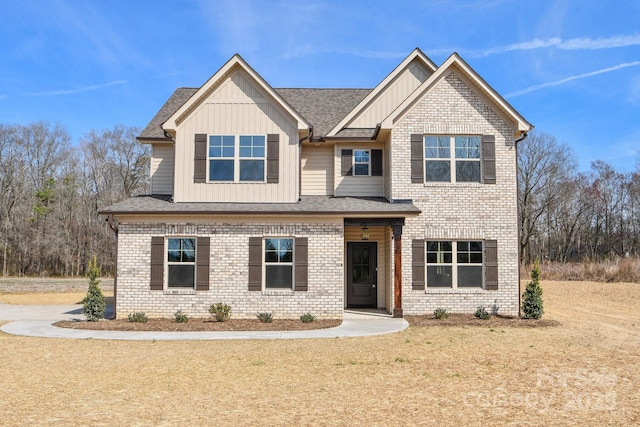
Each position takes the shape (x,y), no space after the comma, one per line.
(584,372)
(613,270)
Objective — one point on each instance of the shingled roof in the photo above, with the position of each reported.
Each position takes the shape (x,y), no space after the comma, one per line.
(323,108)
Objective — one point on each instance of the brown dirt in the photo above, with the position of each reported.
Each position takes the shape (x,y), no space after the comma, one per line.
(586,371)
(199,325)
(465,320)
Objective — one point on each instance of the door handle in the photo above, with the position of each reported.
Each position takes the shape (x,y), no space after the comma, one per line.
(373,286)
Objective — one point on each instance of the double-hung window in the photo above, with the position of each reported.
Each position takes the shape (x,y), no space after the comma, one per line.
(452,158)
(181,262)
(454,264)
(237,161)
(361,162)
(278,263)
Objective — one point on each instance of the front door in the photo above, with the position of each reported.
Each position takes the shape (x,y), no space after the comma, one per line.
(362,269)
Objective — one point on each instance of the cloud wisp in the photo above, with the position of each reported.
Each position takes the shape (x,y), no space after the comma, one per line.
(579,43)
(78,90)
(571,78)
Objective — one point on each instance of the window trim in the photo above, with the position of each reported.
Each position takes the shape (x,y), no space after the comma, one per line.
(291,264)
(237,159)
(452,159)
(454,265)
(168,263)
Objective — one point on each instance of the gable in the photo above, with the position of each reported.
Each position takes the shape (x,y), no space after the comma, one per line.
(389,93)
(408,80)
(454,64)
(238,80)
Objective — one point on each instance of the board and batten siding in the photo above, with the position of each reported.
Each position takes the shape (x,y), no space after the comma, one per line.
(238,107)
(161,169)
(412,77)
(317,170)
(357,186)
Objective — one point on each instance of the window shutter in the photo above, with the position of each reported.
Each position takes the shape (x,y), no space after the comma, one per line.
(417,158)
(417,264)
(200,158)
(346,168)
(491,265)
(301,264)
(273,158)
(202,263)
(488,159)
(376,162)
(157,263)
(255,263)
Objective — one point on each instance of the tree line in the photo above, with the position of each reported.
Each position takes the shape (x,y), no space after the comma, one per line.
(566,215)
(51,192)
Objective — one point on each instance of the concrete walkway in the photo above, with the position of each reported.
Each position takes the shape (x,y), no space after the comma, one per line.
(37,320)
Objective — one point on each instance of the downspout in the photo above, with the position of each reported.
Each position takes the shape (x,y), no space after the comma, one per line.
(173,181)
(522,138)
(309,137)
(113,225)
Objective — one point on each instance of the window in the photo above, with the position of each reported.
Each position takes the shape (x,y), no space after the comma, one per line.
(181,262)
(361,161)
(233,162)
(278,263)
(454,264)
(452,158)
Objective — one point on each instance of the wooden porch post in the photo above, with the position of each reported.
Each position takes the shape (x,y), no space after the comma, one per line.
(397,276)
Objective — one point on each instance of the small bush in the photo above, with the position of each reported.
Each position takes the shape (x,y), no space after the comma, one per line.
(482,313)
(307,318)
(532,305)
(440,313)
(139,317)
(265,317)
(93,305)
(220,312)
(181,317)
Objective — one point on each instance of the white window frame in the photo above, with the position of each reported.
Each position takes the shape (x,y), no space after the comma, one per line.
(454,264)
(368,162)
(168,263)
(237,158)
(452,159)
(266,263)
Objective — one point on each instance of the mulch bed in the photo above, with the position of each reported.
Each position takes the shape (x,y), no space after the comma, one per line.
(464,320)
(169,325)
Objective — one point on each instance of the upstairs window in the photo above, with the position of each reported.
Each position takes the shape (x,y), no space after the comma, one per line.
(221,158)
(361,161)
(452,158)
(243,162)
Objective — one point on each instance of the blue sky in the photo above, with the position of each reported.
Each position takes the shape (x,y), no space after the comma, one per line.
(572,68)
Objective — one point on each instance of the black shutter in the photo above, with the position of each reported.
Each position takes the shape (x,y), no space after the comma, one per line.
(417,158)
(202,263)
(301,264)
(157,263)
(273,158)
(346,168)
(376,162)
(200,158)
(488,159)
(417,264)
(491,265)
(255,263)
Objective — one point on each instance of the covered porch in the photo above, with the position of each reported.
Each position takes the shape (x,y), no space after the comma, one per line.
(373,264)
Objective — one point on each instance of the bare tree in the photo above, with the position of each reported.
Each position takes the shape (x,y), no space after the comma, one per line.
(544,166)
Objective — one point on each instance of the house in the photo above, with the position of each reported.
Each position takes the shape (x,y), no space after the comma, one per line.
(401,197)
